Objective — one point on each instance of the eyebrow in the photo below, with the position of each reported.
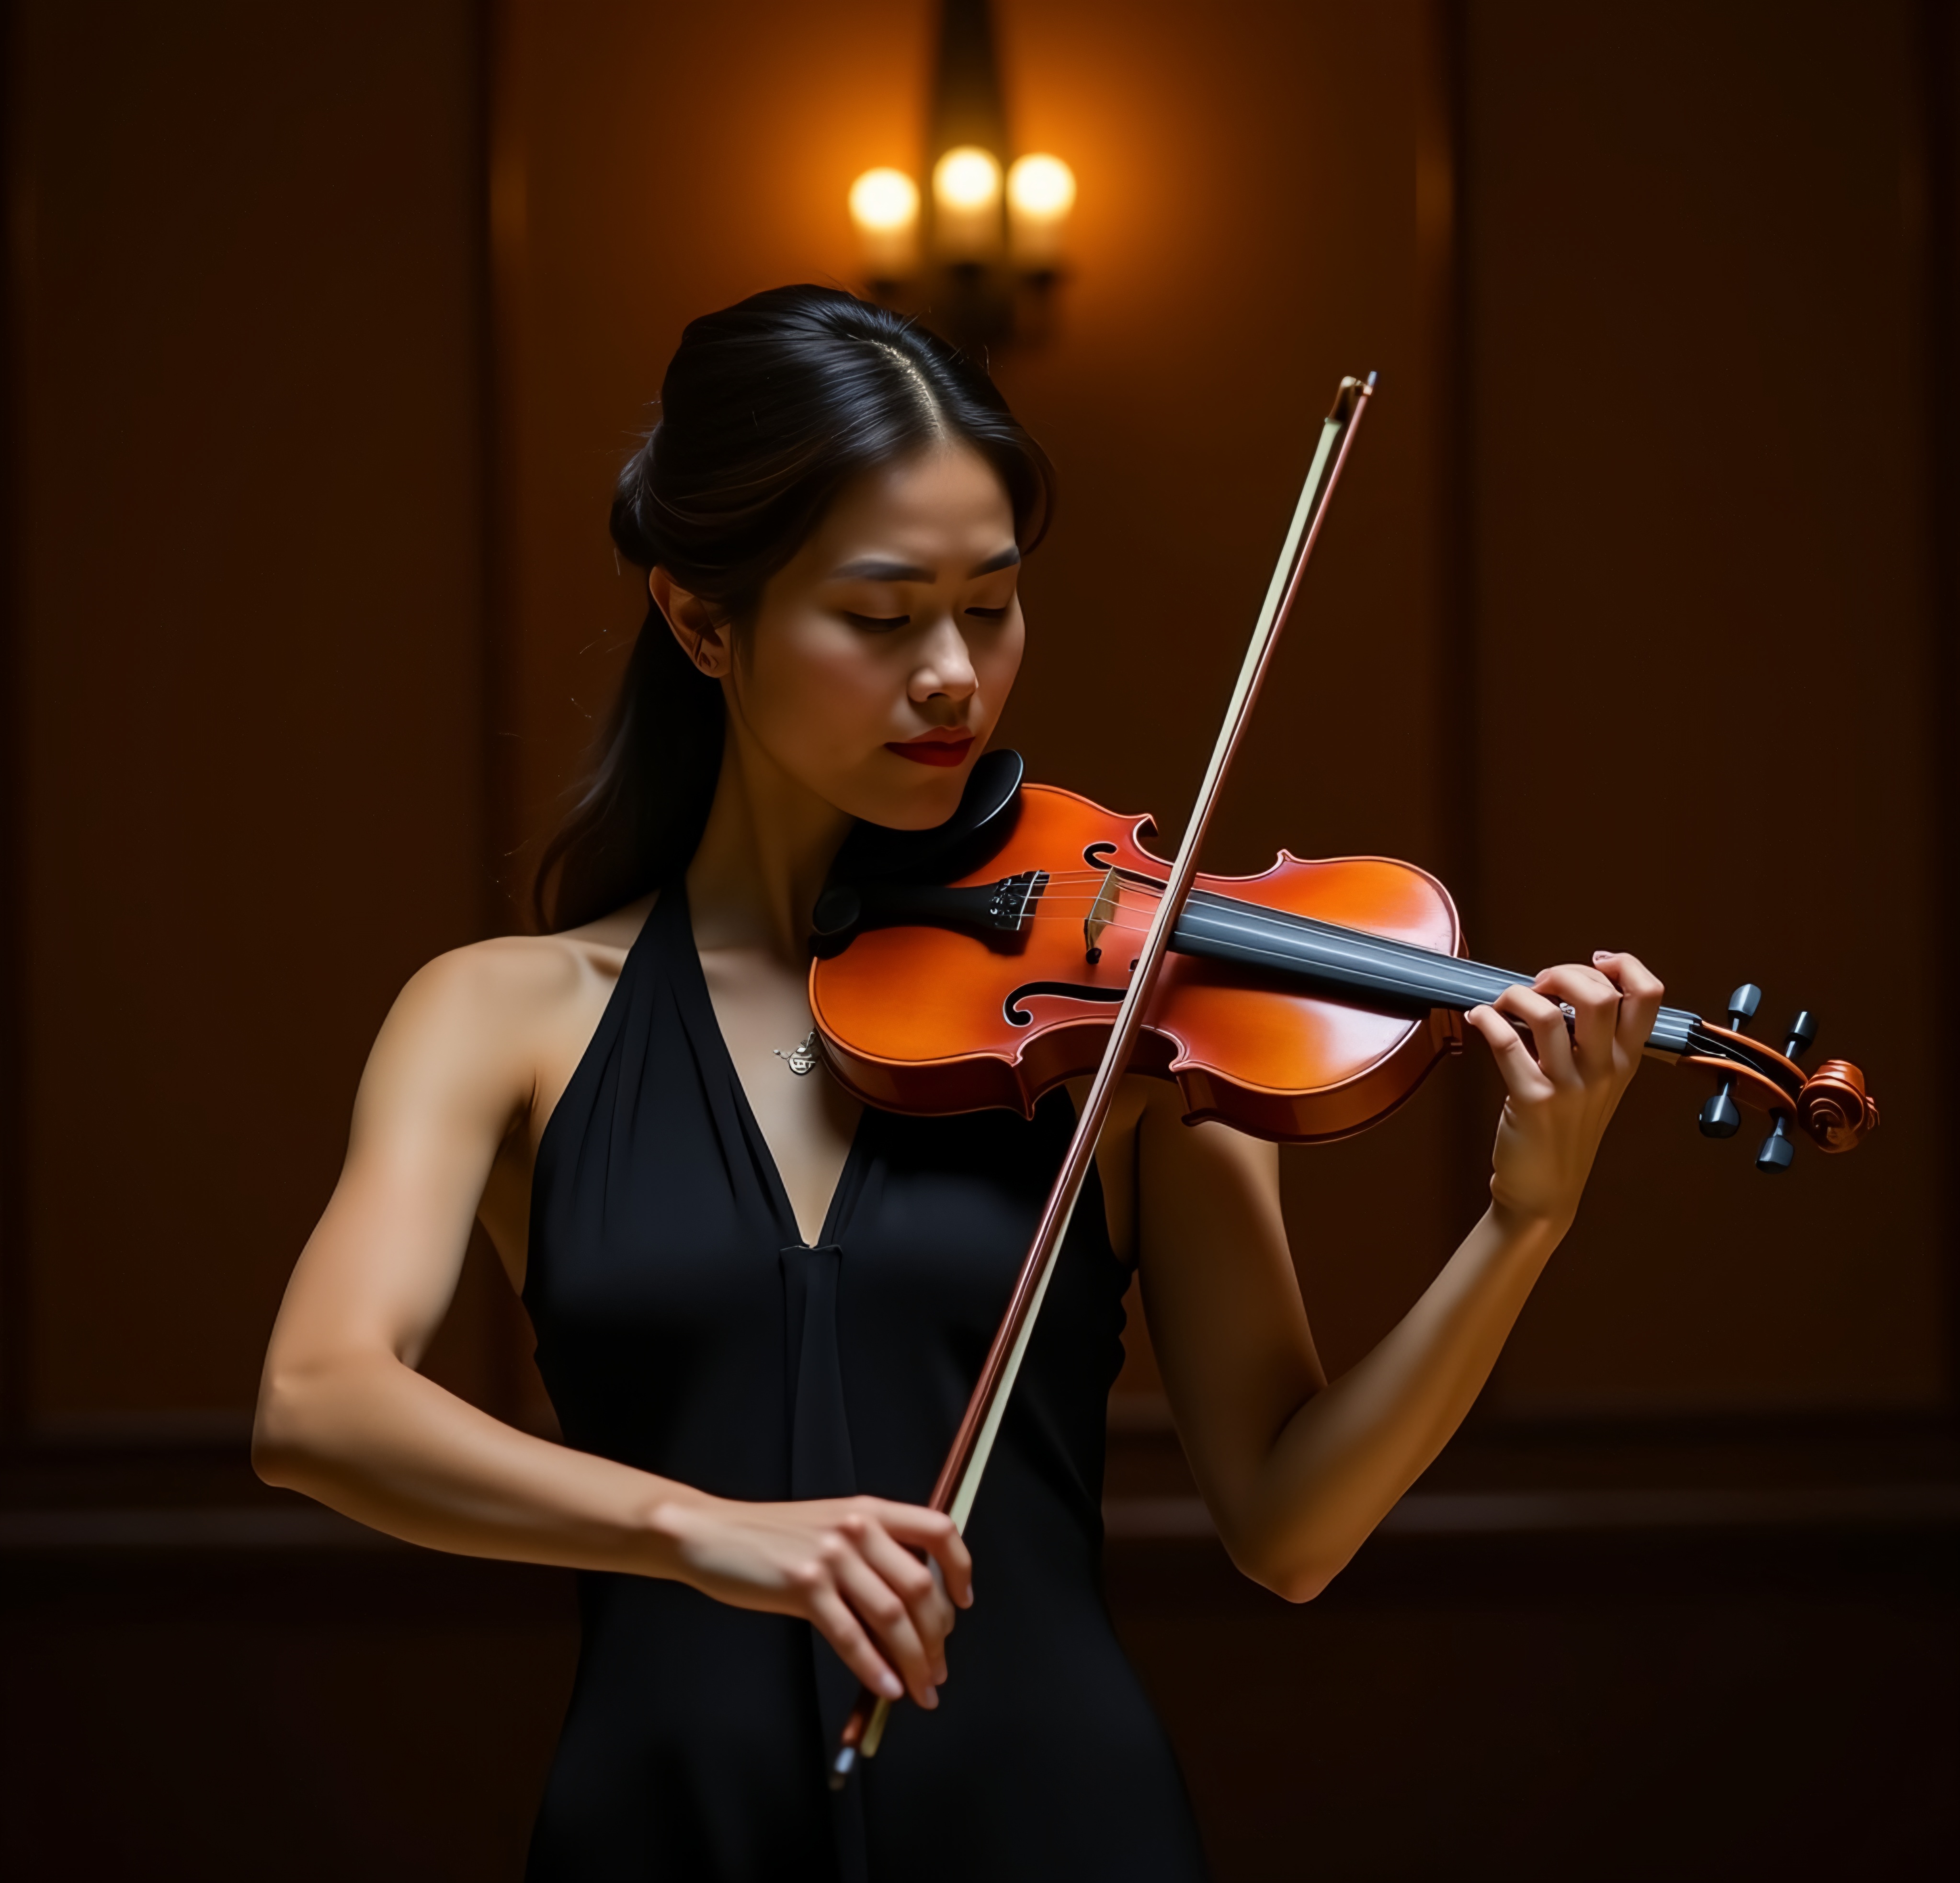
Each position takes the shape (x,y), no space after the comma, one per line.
(875,569)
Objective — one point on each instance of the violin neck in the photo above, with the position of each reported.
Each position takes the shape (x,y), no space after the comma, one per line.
(1325,958)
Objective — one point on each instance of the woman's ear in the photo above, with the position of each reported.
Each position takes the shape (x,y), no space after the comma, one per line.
(702,634)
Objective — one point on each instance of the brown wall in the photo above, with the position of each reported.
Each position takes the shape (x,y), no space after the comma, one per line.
(1699,469)
(250,660)
(1693,552)
(256,661)
(1622,622)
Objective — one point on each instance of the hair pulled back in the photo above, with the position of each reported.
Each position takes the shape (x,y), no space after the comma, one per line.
(769,409)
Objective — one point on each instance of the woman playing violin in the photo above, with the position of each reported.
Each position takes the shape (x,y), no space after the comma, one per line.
(760,1306)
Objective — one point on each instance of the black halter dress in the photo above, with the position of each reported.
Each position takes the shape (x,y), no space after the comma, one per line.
(686,1328)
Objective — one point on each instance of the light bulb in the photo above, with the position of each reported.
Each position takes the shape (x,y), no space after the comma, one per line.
(885,206)
(966,177)
(966,203)
(1041,192)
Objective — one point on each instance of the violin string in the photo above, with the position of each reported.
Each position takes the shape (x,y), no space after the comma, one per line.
(1074,908)
(1117,925)
(1129,894)
(1099,876)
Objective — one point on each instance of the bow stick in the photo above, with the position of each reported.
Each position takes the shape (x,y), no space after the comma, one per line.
(973,1443)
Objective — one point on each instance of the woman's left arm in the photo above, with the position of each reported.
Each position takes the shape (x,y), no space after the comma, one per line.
(1297,1472)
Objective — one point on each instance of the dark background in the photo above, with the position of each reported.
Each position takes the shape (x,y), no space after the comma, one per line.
(326,329)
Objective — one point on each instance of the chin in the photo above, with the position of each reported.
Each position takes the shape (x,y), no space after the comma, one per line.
(927,798)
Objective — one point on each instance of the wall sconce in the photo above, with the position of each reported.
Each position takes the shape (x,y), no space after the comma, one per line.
(979,256)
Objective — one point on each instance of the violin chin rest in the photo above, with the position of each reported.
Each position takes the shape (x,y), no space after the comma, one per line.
(873,853)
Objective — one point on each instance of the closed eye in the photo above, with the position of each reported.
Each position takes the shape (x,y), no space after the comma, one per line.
(989,614)
(876,624)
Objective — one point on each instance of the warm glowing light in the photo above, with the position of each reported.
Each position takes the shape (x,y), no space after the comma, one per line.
(885,206)
(1041,192)
(966,205)
(883,200)
(965,178)
(1040,187)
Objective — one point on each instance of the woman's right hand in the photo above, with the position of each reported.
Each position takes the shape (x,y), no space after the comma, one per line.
(847,1565)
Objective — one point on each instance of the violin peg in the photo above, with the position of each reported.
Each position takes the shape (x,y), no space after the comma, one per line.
(1778,1151)
(1802,1034)
(1720,1117)
(1742,1004)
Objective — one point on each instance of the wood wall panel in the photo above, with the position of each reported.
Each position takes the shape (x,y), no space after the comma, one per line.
(250,653)
(250,686)
(1703,640)
(1698,635)
(250,667)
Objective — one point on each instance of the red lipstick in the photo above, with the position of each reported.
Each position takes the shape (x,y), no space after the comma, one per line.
(948,747)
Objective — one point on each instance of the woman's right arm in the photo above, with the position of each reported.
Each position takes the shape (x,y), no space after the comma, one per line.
(344,1417)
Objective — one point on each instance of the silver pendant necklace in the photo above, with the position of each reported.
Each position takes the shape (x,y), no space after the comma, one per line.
(804,1059)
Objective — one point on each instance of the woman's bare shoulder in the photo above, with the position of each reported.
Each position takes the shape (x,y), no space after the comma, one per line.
(515,974)
(514,1004)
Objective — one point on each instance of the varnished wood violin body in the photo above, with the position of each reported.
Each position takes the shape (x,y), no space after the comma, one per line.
(1302,1004)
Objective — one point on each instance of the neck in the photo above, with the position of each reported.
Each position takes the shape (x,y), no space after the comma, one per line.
(761,865)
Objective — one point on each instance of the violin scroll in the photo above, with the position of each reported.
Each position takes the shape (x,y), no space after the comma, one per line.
(1834,1109)
(1830,1106)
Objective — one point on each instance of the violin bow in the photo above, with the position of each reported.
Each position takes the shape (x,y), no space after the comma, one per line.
(973,1444)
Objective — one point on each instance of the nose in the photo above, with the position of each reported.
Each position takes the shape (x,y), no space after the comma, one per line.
(945,671)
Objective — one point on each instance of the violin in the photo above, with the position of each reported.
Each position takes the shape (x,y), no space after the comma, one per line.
(1034,937)
(1302,1004)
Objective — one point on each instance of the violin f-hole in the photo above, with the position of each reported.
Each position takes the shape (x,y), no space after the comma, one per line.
(1016,1015)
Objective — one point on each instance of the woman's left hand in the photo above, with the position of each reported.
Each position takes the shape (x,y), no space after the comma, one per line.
(1557,1106)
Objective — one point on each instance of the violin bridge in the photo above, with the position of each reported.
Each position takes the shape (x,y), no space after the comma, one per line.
(1102,913)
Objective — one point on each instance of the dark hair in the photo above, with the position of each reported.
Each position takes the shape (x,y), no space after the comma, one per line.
(769,409)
